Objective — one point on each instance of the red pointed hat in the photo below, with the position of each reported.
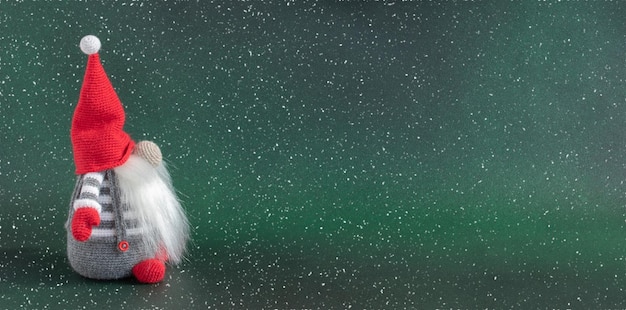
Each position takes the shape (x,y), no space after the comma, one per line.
(97,133)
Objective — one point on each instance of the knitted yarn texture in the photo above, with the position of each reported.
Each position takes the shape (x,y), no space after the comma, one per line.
(101,256)
(98,138)
(149,151)
(125,218)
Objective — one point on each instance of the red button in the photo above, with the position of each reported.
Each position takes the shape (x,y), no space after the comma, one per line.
(123,246)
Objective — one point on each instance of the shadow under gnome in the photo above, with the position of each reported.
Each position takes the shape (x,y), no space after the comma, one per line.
(124,219)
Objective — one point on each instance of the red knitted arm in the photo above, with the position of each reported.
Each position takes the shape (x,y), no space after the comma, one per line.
(83,221)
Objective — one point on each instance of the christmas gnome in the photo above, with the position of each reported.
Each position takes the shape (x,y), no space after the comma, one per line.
(124,219)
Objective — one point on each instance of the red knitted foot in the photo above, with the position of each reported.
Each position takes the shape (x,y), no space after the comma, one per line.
(149,271)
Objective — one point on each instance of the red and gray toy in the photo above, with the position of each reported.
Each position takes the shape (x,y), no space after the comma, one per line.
(124,219)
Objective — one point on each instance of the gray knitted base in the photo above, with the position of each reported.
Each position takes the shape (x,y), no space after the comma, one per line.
(102,260)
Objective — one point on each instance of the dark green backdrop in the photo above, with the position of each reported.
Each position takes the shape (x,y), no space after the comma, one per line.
(334,154)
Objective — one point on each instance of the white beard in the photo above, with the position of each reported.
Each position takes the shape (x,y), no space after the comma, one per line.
(148,191)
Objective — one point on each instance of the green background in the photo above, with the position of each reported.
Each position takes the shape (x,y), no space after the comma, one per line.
(334,154)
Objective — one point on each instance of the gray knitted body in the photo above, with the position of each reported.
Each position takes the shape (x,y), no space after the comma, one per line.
(105,255)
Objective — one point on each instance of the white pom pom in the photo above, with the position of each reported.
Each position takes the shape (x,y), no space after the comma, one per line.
(90,44)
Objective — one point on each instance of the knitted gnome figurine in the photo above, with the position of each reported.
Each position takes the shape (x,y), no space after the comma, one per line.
(124,218)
